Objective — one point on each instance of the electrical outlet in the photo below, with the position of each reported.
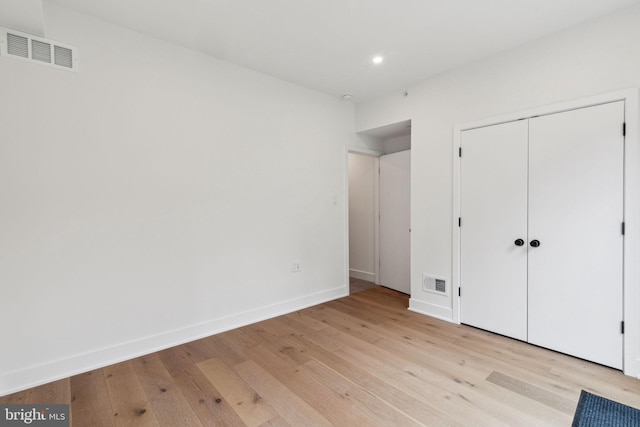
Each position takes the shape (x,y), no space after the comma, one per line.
(296,267)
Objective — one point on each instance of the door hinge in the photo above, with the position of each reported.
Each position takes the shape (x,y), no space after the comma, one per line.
(623,228)
(460,152)
(624,129)
(459,222)
(622,327)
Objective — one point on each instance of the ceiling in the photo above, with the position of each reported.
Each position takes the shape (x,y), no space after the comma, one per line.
(327,45)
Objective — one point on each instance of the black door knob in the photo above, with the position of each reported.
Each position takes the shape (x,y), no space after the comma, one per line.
(535,243)
(519,242)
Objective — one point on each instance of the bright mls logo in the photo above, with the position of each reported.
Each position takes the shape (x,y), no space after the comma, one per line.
(34,415)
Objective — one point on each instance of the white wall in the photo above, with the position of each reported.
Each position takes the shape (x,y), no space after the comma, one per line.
(157,196)
(597,57)
(397,144)
(363,198)
(22,15)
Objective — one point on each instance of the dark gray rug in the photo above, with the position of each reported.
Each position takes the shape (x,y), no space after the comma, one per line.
(594,410)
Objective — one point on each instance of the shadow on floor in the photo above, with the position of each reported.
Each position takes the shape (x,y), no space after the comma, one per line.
(357,285)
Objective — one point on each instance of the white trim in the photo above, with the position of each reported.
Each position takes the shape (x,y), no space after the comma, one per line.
(345,207)
(622,95)
(364,151)
(376,220)
(33,376)
(631,271)
(431,310)
(362,275)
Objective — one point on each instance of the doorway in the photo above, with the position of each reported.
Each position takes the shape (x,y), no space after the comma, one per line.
(378,210)
(363,221)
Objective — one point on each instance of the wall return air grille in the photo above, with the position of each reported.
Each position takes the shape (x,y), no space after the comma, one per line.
(18,45)
(435,284)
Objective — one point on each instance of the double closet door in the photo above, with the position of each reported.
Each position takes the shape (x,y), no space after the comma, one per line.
(541,203)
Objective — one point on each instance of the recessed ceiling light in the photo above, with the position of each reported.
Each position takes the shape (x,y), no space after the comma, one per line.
(377,59)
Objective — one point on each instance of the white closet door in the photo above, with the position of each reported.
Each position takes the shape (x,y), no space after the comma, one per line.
(575,212)
(493,205)
(395,192)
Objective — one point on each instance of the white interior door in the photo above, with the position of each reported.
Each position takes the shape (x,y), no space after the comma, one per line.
(575,212)
(395,192)
(493,205)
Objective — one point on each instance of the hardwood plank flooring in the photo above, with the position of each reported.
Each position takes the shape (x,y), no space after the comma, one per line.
(358,285)
(361,360)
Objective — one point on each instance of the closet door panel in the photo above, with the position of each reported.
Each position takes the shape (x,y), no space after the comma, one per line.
(493,205)
(395,221)
(575,212)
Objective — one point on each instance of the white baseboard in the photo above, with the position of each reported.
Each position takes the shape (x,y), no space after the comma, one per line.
(362,275)
(33,376)
(432,310)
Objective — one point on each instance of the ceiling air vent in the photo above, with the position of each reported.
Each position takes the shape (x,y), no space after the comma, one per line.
(435,284)
(14,44)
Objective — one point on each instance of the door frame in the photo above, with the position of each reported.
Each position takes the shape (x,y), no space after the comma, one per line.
(631,245)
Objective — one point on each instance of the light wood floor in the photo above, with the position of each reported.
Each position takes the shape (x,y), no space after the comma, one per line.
(359,285)
(363,360)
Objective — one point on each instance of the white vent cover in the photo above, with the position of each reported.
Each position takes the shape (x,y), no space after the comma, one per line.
(435,284)
(14,44)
